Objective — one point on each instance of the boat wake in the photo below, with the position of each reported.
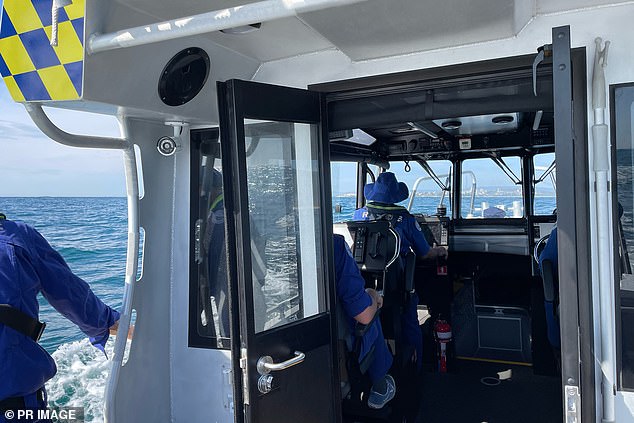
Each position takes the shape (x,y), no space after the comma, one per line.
(82,371)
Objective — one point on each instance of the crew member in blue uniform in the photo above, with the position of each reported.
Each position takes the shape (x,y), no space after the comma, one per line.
(28,266)
(382,197)
(215,301)
(361,305)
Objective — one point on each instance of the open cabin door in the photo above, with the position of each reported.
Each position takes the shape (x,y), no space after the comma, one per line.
(575,309)
(276,198)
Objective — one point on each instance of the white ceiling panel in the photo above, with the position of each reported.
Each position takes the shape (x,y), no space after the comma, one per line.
(274,40)
(378,28)
(553,6)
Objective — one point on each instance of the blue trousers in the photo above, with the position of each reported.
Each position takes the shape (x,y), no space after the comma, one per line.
(382,357)
(412,335)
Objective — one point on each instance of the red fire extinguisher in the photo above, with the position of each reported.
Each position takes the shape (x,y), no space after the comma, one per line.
(441,268)
(442,333)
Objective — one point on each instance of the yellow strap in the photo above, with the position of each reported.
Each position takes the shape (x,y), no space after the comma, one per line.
(216,201)
(392,208)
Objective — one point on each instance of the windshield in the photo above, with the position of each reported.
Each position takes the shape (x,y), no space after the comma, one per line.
(429,185)
(498,191)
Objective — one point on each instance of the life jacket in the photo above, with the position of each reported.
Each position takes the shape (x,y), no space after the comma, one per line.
(391,213)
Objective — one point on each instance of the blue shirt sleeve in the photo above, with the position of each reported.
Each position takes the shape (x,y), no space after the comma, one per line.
(67,293)
(349,282)
(416,237)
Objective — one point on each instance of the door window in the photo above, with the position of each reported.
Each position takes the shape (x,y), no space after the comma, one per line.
(284,216)
(208,291)
(623,142)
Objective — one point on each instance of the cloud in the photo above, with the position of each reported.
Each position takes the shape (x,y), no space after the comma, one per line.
(19,131)
(34,165)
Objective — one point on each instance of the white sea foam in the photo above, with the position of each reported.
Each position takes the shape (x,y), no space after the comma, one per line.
(82,371)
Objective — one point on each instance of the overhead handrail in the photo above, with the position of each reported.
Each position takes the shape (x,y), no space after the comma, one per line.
(42,121)
(203,23)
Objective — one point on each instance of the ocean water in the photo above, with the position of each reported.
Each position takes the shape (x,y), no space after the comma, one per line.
(345,205)
(91,235)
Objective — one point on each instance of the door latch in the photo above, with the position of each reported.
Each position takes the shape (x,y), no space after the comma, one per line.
(265,384)
(542,52)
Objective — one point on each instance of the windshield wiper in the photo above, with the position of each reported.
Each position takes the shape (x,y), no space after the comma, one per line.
(423,163)
(547,172)
(506,169)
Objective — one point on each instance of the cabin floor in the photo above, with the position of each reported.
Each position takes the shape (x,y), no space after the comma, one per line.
(461,396)
(469,392)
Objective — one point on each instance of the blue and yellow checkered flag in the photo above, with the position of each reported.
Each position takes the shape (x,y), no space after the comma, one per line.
(31,68)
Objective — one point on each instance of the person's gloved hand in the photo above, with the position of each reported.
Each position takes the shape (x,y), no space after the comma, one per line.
(100,342)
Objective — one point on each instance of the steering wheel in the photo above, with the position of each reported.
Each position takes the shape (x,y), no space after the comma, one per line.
(539,247)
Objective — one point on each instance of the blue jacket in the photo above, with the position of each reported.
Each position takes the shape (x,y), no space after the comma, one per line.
(28,266)
(402,221)
(351,287)
(351,293)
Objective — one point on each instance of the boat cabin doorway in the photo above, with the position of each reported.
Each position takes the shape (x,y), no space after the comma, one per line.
(279,159)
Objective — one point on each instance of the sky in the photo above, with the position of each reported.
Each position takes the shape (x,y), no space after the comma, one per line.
(34,165)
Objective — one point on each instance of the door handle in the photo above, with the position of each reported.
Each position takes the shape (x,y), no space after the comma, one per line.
(266,365)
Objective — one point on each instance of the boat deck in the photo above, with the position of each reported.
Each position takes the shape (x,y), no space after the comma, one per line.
(460,396)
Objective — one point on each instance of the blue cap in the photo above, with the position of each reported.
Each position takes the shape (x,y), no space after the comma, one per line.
(386,189)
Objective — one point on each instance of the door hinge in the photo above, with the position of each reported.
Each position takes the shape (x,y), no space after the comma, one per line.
(573,404)
(245,376)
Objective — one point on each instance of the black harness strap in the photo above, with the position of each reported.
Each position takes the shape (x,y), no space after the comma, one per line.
(17,403)
(22,322)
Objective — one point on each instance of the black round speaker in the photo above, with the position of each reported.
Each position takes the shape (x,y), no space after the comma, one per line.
(184,76)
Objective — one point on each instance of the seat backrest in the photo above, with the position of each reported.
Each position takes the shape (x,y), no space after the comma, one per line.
(376,245)
(551,287)
(551,303)
(376,249)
